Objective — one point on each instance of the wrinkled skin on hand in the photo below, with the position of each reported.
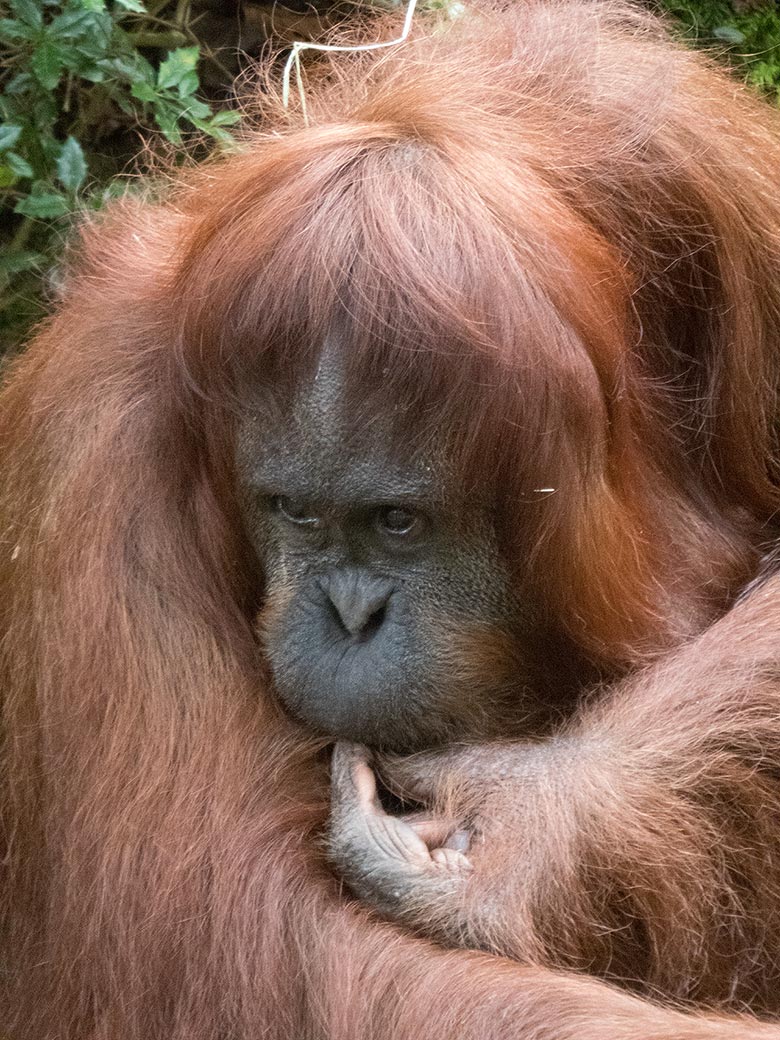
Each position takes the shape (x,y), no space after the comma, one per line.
(418,867)
(395,863)
(517,848)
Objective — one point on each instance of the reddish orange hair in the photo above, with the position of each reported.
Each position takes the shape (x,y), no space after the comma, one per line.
(556,228)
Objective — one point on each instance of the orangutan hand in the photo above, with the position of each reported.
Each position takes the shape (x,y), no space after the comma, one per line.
(472,867)
(404,866)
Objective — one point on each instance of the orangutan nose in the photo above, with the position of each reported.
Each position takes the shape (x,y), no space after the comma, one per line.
(358,601)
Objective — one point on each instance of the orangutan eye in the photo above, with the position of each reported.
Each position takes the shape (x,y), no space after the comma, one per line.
(295,511)
(398,522)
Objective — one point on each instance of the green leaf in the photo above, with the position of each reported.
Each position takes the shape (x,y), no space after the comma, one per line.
(764,76)
(9,135)
(7,176)
(124,104)
(18,84)
(19,165)
(20,260)
(131,5)
(71,165)
(12,29)
(729,34)
(225,118)
(144,92)
(44,110)
(28,11)
(216,133)
(71,24)
(177,66)
(167,118)
(92,73)
(131,67)
(46,63)
(45,205)
(194,109)
(188,84)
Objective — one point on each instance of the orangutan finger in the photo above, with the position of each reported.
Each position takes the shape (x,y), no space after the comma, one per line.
(353,784)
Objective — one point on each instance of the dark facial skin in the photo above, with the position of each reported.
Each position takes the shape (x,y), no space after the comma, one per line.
(389,616)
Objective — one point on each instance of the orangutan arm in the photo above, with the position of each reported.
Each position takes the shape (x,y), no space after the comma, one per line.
(640,844)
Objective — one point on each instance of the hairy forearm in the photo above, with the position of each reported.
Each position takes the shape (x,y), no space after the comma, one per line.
(623,871)
(719,693)
(639,843)
(647,833)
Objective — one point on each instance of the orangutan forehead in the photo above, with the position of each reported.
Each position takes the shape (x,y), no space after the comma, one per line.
(344,401)
(331,435)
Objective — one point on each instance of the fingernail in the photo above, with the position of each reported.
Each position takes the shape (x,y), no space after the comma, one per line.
(459,841)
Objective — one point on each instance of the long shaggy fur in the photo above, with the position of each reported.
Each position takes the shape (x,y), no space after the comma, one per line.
(561,232)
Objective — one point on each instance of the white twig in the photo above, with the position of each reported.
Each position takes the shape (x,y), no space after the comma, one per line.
(294,60)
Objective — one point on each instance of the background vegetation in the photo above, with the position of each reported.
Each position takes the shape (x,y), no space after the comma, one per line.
(86,83)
